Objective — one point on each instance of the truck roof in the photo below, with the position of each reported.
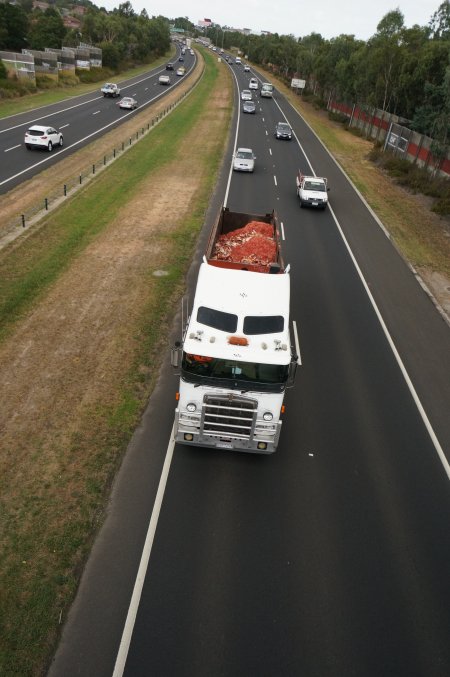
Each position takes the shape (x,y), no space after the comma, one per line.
(242,293)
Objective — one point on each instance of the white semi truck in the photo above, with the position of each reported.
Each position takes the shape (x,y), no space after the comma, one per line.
(236,358)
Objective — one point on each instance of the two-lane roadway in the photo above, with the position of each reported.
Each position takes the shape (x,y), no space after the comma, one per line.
(81,120)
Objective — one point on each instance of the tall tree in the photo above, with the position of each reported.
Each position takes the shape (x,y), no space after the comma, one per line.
(13,27)
(47,29)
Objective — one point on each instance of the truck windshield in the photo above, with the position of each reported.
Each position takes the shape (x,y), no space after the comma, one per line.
(233,374)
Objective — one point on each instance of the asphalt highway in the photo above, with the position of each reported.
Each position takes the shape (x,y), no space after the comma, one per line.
(332,556)
(81,119)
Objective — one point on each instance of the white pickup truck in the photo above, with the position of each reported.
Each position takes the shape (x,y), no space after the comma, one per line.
(312,191)
(110,89)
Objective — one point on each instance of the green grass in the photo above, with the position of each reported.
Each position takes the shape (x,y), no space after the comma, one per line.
(30,269)
(40,565)
(54,95)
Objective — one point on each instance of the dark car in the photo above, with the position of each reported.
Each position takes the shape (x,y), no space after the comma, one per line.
(283,131)
(248,107)
(169,67)
(181,58)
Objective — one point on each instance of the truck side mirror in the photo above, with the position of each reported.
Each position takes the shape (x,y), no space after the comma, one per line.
(175,355)
(292,372)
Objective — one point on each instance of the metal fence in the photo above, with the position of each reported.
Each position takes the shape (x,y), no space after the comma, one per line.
(40,209)
(393,132)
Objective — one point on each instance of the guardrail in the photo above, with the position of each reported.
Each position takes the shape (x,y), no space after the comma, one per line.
(31,216)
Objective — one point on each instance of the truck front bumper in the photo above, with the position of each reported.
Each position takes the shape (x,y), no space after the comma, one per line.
(193,436)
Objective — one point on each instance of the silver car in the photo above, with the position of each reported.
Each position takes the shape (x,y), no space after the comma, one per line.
(246,95)
(128,102)
(248,107)
(244,160)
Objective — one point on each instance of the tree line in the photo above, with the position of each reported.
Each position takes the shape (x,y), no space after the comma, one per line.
(404,71)
(123,35)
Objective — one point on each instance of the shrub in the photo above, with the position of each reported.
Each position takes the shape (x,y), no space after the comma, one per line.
(11,89)
(46,82)
(68,80)
(338,117)
(94,75)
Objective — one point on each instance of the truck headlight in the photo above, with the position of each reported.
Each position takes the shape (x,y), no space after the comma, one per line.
(191,407)
(267,416)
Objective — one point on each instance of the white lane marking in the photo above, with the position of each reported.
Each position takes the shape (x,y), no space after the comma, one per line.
(282,231)
(96,112)
(227,190)
(77,143)
(409,383)
(143,566)
(12,148)
(263,119)
(275,180)
(297,343)
(399,360)
(270,151)
(64,126)
(267,132)
(76,105)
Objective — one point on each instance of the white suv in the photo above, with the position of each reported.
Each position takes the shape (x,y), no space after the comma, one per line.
(253,84)
(43,137)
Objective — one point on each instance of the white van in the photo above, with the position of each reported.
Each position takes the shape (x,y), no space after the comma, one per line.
(238,60)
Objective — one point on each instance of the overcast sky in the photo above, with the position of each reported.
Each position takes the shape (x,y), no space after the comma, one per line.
(330,18)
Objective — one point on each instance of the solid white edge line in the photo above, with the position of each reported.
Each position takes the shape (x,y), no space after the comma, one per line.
(97,131)
(282,230)
(409,383)
(403,370)
(127,633)
(227,190)
(297,343)
(64,110)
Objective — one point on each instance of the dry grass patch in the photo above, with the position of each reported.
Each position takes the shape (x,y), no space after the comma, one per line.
(50,181)
(76,373)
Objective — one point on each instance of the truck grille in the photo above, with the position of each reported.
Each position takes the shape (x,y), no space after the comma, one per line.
(229,416)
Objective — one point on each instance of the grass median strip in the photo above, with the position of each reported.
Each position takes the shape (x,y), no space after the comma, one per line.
(84,321)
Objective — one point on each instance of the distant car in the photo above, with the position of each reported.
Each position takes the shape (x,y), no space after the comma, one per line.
(128,102)
(246,95)
(283,131)
(238,60)
(181,58)
(191,52)
(249,107)
(169,66)
(244,160)
(39,136)
(164,80)
(253,84)
(181,70)
(246,68)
